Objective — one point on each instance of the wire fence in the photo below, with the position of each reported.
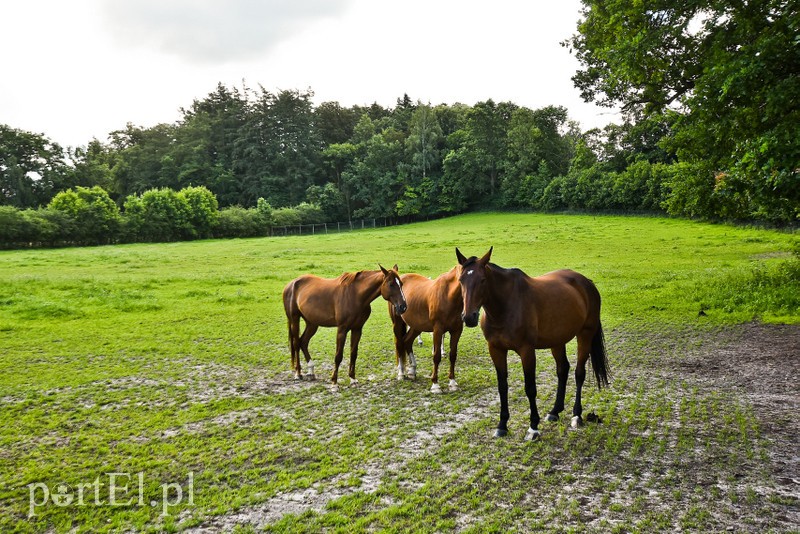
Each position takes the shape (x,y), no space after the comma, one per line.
(336,227)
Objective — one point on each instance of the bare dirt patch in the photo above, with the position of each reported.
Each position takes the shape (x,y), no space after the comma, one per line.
(762,364)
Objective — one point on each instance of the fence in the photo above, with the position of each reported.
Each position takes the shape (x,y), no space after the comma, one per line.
(336,227)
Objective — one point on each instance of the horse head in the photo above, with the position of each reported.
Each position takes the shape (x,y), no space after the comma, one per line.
(473,285)
(392,289)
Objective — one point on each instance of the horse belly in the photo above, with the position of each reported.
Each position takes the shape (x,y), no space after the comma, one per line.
(317,310)
(417,315)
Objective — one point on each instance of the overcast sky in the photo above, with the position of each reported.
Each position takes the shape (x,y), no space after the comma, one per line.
(79,69)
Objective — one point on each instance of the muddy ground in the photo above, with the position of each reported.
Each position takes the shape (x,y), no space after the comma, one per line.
(761,363)
(756,363)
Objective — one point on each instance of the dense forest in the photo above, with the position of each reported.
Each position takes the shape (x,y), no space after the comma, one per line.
(710,92)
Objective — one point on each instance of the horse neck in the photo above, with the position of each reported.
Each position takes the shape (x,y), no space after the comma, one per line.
(368,285)
(500,290)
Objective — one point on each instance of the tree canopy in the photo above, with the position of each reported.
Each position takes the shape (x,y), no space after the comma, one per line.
(725,75)
(710,92)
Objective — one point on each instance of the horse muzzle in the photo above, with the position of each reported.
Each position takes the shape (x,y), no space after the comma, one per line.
(470,319)
(400,308)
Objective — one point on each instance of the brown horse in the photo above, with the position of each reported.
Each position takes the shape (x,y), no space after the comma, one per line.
(524,314)
(343,302)
(433,306)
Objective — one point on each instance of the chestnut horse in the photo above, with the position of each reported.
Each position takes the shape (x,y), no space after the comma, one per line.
(343,302)
(433,306)
(524,314)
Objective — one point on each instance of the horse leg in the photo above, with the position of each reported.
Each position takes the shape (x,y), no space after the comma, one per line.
(341,337)
(308,333)
(454,337)
(409,350)
(355,337)
(584,343)
(500,361)
(528,356)
(437,358)
(562,371)
(399,329)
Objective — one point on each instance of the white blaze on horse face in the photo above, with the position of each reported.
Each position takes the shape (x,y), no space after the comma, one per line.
(470,272)
(400,286)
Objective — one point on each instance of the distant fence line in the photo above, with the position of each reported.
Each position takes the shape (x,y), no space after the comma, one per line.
(337,227)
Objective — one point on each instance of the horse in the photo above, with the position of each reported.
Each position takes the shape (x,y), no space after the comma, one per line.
(524,314)
(433,306)
(344,303)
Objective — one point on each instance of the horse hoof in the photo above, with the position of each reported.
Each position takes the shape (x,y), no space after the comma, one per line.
(297,376)
(311,376)
(576,422)
(552,418)
(436,388)
(334,388)
(353,382)
(501,433)
(532,435)
(453,385)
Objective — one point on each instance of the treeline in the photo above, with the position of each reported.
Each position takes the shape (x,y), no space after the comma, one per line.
(413,160)
(88,216)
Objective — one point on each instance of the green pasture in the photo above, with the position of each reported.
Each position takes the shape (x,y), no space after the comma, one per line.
(168,364)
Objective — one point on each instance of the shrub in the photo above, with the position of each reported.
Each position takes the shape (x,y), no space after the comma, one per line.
(236,221)
(286,217)
(158,215)
(202,210)
(96,216)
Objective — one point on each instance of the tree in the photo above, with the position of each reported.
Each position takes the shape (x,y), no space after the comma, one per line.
(32,168)
(727,71)
(487,137)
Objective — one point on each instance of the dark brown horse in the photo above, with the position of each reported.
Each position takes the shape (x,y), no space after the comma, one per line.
(343,302)
(524,314)
(433,306)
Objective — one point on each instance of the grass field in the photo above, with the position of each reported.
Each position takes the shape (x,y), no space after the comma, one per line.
(148,388)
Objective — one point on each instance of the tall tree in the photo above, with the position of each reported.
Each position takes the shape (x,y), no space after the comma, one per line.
(729,72)
(32,168)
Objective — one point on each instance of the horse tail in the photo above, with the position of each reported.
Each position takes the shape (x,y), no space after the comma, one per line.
(289,305)
(599,358)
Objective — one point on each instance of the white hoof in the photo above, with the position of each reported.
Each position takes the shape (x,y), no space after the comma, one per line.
(453,385)
(311,376)
(297,375)
(353,382)
(400,373)
(532,435)
(412,373)
(334,388)
(435,388)
(576,422)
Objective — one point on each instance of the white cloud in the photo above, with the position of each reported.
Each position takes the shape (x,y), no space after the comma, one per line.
(212,31)
(81,69)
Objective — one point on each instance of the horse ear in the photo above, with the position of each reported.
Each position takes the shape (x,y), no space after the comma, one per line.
(461,259)
(385,272)
(486,257)
(395,268)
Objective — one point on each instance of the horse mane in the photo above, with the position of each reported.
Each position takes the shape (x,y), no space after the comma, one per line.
(349,278)
(493,266)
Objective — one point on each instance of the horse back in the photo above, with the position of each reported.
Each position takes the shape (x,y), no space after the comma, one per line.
(545,311)
(564,303)
(314,298)
(432,301)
